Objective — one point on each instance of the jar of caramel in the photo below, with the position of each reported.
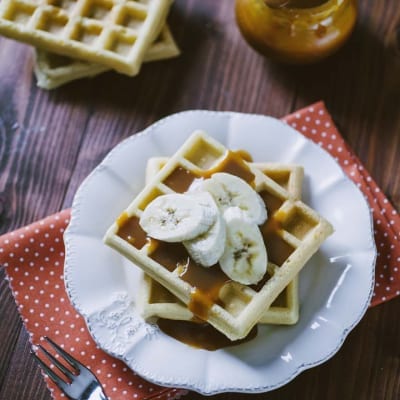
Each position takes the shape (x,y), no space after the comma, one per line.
(296,31)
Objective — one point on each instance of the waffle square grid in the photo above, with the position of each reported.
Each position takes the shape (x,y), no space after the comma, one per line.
(114,33)
(240,307)
(155,301)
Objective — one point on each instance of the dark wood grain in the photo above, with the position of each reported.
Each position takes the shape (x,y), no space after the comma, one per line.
(50,141)
(10,326)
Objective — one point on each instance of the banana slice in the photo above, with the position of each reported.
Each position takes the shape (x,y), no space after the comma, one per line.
(177,217)
(207,248)
(231,191)
(245,256)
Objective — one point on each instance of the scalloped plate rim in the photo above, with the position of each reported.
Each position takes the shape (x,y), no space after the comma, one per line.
(74,225)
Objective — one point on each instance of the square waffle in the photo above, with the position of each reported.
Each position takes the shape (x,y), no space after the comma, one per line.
(156,301)
(53,70)
(292,234)
(114,33)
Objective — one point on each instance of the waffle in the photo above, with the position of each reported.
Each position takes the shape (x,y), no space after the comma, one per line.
(155,301)
(114,33)
(292,234)
(53,70)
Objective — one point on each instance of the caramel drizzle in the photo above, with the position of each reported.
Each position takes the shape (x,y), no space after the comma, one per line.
(206,282)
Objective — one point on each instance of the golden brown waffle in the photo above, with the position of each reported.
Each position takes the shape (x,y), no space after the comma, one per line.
(53,70)
(155,301)
(292,234)
(114,33)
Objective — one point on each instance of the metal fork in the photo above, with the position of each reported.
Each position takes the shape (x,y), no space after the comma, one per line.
(81,383)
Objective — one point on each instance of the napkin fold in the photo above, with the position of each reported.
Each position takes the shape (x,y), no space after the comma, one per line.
(315,123)
(34,261)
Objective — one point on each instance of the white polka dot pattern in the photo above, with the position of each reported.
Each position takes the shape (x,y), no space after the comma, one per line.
(315,123)
(38,288)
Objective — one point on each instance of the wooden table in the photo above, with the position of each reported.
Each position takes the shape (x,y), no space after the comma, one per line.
(50,141)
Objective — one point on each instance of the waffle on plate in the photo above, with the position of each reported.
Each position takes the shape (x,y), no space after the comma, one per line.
(156,301)
(292,233)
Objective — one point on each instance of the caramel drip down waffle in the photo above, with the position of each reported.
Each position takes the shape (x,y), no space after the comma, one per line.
(155,301)
(114,33)
(53,70)
(292,233)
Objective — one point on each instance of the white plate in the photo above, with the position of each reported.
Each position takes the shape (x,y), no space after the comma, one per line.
(335,286)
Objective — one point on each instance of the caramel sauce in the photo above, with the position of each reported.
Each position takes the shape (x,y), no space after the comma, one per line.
(295,3)
(244,154)
(180,179)
(272,203)
(296,31)
(200,335)
(280,177)
(232,164)
(170,255)
(201,302)
(130,230)
(277,249)
(206,281)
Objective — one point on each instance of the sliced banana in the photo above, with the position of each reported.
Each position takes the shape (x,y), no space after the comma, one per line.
(196,185)
(231,191)
(206,249)
(177,217)
(245,257)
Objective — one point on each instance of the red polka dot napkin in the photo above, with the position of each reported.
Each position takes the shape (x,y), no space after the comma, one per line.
(315,123)
(34,258)
(34,261)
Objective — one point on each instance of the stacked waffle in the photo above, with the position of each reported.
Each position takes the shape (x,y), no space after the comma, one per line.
(176,284)
(81,38)
(155,301)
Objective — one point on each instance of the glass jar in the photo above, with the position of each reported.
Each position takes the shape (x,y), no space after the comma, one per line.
(296,31)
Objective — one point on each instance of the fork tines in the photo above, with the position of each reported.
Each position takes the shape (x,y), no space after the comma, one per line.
(80,380)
